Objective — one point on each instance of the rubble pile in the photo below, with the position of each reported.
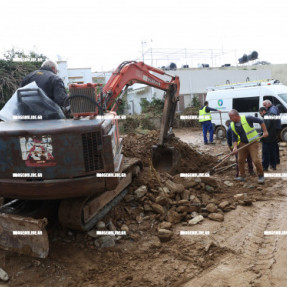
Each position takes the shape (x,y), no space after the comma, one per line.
(157,201)
(140,146)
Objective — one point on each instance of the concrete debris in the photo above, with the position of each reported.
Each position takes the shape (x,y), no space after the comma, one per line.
(228,183)
(141,191)
(3,275)
(195,220)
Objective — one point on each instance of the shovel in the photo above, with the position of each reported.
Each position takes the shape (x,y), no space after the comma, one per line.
(229,155)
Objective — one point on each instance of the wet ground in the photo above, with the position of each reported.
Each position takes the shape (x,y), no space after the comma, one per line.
(237,251)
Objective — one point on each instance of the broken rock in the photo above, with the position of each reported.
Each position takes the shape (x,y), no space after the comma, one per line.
(173,217)
(209,188)
(162,199)
(105,241)
(125,228)
(223,204)
(3,275)
(228,183)
(210,181)
(157,208)
(174,187)
(165,225)
(195,220)
(194,199)
(211,207)
(141,191)
(101,225)
(186,194)
(164,235)
(216,216)
(240,196)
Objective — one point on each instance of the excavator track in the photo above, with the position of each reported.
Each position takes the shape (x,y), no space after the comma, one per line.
(83,213)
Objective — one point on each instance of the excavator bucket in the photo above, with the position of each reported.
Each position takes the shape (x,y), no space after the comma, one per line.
(165,158)
(24,235)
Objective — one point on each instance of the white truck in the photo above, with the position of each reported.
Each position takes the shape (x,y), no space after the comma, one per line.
(247,98)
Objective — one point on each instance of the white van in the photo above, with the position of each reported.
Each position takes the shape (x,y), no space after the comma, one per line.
(247,98)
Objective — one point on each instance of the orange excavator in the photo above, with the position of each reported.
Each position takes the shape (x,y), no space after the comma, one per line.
(72,166)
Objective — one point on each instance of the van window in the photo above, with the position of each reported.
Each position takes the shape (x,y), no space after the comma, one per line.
(273,100)
(277,103)
(245,105)
(283,97)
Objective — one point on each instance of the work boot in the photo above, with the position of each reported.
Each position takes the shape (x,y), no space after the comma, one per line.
(261,179)
(240,178)
(206,143)
(211,142)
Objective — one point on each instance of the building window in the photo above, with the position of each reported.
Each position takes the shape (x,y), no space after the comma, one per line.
(245,105)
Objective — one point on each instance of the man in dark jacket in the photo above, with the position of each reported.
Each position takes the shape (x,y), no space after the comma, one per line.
(273,110)
(46,78)
(268,143)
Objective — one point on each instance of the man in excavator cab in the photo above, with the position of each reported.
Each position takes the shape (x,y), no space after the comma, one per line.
(47,79)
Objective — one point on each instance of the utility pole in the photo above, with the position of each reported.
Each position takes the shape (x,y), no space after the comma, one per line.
(143,42)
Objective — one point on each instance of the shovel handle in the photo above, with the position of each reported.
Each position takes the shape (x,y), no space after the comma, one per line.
(227,156)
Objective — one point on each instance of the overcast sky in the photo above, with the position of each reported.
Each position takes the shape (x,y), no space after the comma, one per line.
(102,34)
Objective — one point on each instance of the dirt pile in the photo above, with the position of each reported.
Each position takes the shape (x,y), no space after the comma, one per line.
(140,146)
(156,200)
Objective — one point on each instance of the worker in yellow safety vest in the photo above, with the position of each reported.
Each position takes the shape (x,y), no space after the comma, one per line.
(230,145)
(242,127)
(205,120)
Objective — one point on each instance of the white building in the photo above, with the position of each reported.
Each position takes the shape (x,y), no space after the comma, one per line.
(81,75)
(194,82)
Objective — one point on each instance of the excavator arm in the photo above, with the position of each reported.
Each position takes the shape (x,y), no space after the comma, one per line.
(131,72)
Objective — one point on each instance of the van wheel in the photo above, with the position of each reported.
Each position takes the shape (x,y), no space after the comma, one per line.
(220,133)
(283,134)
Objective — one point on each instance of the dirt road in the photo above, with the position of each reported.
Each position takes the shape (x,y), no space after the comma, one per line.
(234,252)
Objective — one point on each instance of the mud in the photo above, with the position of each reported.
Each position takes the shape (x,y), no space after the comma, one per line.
(137,145)
(233,252)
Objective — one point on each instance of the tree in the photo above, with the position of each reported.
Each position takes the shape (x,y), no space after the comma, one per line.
(12,72)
